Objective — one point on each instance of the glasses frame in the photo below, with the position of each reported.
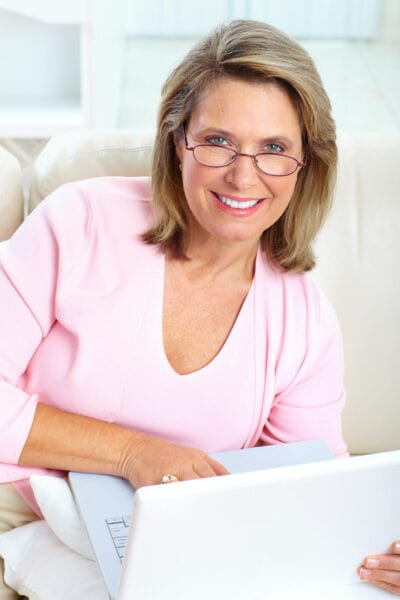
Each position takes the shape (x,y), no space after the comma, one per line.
(192,149)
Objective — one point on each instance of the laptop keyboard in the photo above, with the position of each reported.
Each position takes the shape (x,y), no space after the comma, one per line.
(119,528)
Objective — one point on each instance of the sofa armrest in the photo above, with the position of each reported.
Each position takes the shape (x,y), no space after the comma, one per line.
(11,199)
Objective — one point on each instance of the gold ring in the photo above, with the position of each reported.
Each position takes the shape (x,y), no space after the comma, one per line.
(169,477)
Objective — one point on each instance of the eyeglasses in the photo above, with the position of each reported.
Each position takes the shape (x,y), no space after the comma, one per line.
(269,163)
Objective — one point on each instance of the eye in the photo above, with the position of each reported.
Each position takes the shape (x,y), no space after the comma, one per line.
(217,140)
(274,148)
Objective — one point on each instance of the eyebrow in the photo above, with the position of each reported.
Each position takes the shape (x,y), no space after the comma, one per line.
(278,138)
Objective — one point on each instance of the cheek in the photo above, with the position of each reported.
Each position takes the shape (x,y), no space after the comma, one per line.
(189,180)
(194,189)
(196,180)
(283,190)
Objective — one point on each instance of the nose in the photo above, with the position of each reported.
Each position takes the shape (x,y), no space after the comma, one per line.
(242,173)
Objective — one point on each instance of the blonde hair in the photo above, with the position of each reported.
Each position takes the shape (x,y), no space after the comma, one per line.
(256,52)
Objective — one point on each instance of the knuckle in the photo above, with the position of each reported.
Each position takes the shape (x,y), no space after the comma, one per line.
(393,563)
(386,577)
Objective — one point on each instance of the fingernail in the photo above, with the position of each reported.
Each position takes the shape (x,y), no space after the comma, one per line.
(397,546)
(364,573)
(372,563)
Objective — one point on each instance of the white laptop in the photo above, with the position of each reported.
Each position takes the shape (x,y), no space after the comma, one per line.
(253,535)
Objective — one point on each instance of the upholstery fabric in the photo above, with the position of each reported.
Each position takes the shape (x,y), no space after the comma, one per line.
(11,202)
(357,267)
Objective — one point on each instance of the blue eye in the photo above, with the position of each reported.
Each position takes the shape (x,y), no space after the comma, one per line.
(217,140)
(274,148)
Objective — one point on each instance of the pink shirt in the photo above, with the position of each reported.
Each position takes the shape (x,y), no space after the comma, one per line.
(80,322)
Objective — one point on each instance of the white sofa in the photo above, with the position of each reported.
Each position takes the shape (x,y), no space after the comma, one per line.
(11,202)
(357,250)
(358,265)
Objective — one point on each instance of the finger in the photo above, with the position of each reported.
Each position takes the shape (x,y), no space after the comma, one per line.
(396,547)
(188,474)
(390,562)
(380,576)
(203,469)
(394,589)
(217,467)
(170,478)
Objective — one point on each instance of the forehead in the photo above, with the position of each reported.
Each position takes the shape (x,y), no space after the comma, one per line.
(243,105)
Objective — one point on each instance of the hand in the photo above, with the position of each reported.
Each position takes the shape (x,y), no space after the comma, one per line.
(147,459)
(383,570)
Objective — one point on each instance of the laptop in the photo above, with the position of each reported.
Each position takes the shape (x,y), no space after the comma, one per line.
(252,535)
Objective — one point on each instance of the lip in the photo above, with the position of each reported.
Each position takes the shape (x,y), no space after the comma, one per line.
(238,212)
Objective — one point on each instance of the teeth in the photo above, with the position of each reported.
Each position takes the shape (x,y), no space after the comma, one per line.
(236,204)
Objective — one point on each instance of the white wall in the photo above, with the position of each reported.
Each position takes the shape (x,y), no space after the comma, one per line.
(389,30)
(361,79)
(37,60)
(356,19)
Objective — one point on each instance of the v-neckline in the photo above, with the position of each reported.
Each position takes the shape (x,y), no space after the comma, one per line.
(158,322)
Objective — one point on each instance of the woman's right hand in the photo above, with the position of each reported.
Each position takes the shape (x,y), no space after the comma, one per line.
(147,459)
(70,442)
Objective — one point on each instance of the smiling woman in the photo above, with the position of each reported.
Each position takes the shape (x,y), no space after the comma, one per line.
(215,337)
(273,66)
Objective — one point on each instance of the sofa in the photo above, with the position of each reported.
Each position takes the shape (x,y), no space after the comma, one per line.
(11,199)
(356,255)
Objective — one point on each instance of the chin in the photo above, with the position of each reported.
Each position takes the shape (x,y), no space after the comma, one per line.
(238,237)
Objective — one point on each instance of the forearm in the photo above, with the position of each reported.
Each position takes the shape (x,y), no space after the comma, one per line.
(61,440)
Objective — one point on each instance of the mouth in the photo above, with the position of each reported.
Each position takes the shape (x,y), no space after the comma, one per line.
(241,204)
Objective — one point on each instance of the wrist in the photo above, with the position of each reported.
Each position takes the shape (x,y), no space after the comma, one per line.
(129,455)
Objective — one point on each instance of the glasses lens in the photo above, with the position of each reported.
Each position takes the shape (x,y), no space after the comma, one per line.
(213,156)
(276,164)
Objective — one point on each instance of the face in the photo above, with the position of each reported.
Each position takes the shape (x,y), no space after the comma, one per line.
(236,203)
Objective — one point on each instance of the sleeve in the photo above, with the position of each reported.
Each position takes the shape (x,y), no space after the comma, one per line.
(33,263)
(309,406)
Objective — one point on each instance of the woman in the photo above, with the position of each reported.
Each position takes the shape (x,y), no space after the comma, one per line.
(140,335)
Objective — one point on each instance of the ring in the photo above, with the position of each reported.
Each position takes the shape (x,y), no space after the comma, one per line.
(169,477)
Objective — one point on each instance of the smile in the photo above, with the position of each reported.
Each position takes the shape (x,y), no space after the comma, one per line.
(241,204)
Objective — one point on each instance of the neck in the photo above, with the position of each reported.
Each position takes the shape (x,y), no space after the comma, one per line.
(214,258)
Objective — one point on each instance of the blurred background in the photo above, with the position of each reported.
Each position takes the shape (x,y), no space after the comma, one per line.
(101,63)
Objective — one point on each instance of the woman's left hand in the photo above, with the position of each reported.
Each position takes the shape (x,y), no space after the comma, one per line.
(383,570)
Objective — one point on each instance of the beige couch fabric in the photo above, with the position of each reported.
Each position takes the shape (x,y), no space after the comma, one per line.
(358,268)
(81,155)
(11,202)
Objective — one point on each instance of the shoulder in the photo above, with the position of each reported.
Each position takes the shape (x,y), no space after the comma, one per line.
(94,217)
(125,189)
(119,201)
(299,321)
(85,210)
(295,297)
(318,311)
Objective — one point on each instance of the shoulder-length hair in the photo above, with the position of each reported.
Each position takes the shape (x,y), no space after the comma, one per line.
(255,52)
